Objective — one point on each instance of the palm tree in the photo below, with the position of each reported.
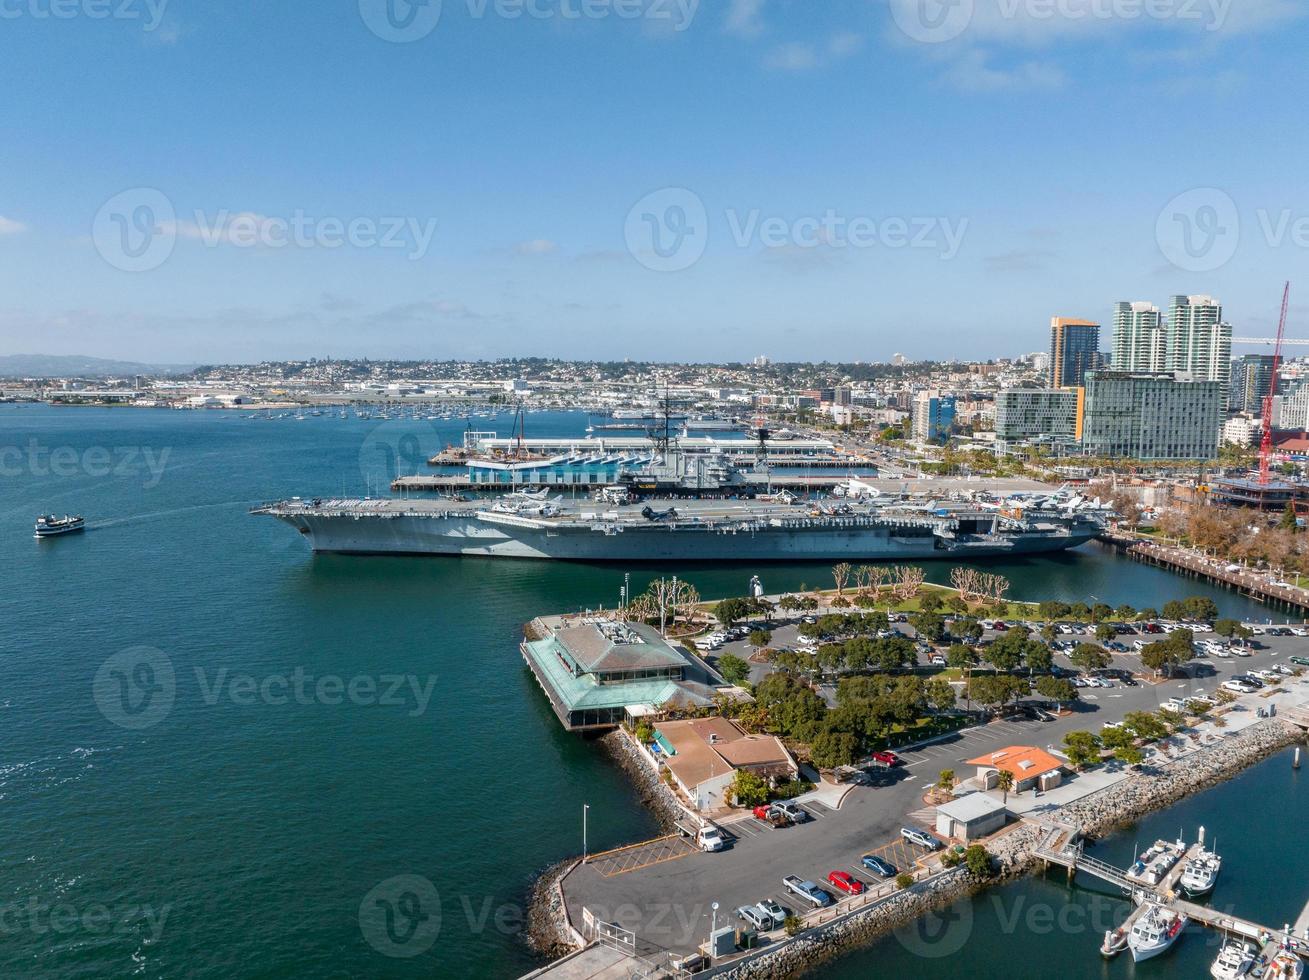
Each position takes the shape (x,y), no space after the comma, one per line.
(1005,780)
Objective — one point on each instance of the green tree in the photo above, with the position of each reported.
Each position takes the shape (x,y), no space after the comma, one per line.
(1199,607)
(760,638)
(904,880)
(1082,749)
(978,861)
(1089,656)
(1037,656)
(1100,611)
(1288,521)
(1129,755)
(1117,737)
(1052,609)
(731,611)
(1105,633)
(940,694)
(1145,725)
(1058,689)
(749,789)
(945,780)
(733,668)
(1125,612)
(960,656)
(929,625)
(1174,609)
(930,601)
(833,748)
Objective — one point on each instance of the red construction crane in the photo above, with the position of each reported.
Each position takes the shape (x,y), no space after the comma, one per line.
(1266,445)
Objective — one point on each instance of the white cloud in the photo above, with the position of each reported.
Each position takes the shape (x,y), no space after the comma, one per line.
(8,226)
(745,18)
(801,56)
(537,246)
(973,72)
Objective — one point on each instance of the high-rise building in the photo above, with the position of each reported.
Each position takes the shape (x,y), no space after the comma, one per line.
(1027,416)
(1199,342)
(1074,350)
(932,416)
(1251,376)
(1140,342)
(1151,416)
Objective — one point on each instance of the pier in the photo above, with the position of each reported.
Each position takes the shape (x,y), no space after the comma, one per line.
(1185,561)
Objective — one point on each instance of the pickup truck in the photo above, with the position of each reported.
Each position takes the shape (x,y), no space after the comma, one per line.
(709,838)
(807,891)
(770,813)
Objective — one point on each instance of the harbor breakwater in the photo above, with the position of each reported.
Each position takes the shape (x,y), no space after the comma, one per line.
(1013,851)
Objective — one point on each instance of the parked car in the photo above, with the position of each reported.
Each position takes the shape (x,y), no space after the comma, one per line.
(807,891)
(792,811)
(846,882)
(920,837)
(1237,687)
(877,866)
(775,911)
(752,915)
(710,839)
(1300,661)
(886,758)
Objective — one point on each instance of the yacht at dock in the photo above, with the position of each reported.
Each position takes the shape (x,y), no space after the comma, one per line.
(1155,932)
(1235,960)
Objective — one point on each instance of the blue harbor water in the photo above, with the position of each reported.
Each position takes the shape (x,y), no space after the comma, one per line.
(312,729)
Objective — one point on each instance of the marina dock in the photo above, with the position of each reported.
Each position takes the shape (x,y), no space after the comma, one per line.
(1062,846)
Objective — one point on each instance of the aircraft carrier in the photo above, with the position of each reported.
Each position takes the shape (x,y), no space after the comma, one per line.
(778,527)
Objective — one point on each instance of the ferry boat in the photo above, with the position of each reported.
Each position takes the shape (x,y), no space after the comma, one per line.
(1201,874)
(49,526)
(1236,960)
(1155,932)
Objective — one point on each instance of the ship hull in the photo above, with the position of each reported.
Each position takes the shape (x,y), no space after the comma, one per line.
(467,536)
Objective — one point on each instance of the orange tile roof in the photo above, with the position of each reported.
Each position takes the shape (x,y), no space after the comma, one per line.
(1024,761)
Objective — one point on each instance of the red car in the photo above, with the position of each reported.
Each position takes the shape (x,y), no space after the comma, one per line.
(846,882)
(999,626)
(886,758)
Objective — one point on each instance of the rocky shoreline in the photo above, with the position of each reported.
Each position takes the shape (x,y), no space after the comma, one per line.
(655,794)
(548,932)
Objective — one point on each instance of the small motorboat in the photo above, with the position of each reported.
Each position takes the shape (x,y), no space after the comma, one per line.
(1201,873)
(1285,966)
(1155,932)
(49,526)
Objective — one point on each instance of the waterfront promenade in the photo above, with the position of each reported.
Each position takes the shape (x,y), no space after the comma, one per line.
(1261,585)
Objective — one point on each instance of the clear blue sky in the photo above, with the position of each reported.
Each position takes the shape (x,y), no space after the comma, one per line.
(1030,147)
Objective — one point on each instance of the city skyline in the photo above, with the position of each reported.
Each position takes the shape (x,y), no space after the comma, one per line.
(691,181)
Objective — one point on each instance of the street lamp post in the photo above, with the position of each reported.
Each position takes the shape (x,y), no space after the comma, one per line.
(713,921)
(585,808)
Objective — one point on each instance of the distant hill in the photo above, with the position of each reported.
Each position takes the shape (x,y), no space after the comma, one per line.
(73,365)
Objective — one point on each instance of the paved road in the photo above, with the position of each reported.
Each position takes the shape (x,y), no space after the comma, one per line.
(668,904)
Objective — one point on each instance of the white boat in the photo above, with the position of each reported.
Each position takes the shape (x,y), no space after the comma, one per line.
(49,526)
(1285,966)
(1234,961)
(1201,874)
(1154,932)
